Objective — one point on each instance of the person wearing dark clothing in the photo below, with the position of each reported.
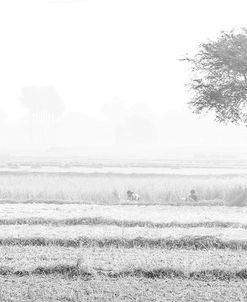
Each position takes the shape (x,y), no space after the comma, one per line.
(193,196)
(132,196)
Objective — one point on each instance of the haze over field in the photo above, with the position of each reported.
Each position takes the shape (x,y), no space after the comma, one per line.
(114,68)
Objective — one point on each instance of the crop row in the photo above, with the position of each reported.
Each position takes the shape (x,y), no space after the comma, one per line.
(188,242)
(94,221)
(161,273)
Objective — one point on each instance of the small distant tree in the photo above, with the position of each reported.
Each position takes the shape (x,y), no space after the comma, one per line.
(219,77)
(42,103)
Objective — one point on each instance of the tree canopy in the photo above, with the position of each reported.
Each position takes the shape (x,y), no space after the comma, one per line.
(219,77)
(42,99)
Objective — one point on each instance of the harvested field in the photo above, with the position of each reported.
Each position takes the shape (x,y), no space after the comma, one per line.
(68,251)
(115,232)
(155,214)
(50,288)
(20,258)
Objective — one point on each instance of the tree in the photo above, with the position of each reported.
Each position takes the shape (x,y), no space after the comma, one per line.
(43,104)
(219,77)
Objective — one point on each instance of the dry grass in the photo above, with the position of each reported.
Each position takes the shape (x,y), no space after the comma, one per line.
(52,288)
(95,221)
(119,263)
(187,242)
(116,233)
(20,258)
(112,188)
(158,273)
(74,252)
(128,214)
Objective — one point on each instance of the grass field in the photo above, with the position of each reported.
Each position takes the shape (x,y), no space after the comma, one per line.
(110,188)
(74,252)
(120,214)
(109,260)
(76,238)
(45,288)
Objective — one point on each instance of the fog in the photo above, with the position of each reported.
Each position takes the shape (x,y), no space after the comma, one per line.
(103,78)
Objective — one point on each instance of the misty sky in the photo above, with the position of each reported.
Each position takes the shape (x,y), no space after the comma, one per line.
(115,65)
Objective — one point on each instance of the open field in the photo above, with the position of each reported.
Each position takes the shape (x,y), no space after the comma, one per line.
(76,252)
(122,214)
(43,288)
(106,260)
(115,232)
(111,188)
(75,238)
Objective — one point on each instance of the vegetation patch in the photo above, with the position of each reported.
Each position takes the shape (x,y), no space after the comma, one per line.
(158,273)
(151,274)
(187,242)
(49,188)
(116,222)
(122,202)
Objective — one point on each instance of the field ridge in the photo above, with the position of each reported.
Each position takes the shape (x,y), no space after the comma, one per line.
(116,222)
(186,242)
(160,273)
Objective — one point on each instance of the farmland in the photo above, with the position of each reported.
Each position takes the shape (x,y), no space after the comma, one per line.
(76,238)
(111,188)
(76,252)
